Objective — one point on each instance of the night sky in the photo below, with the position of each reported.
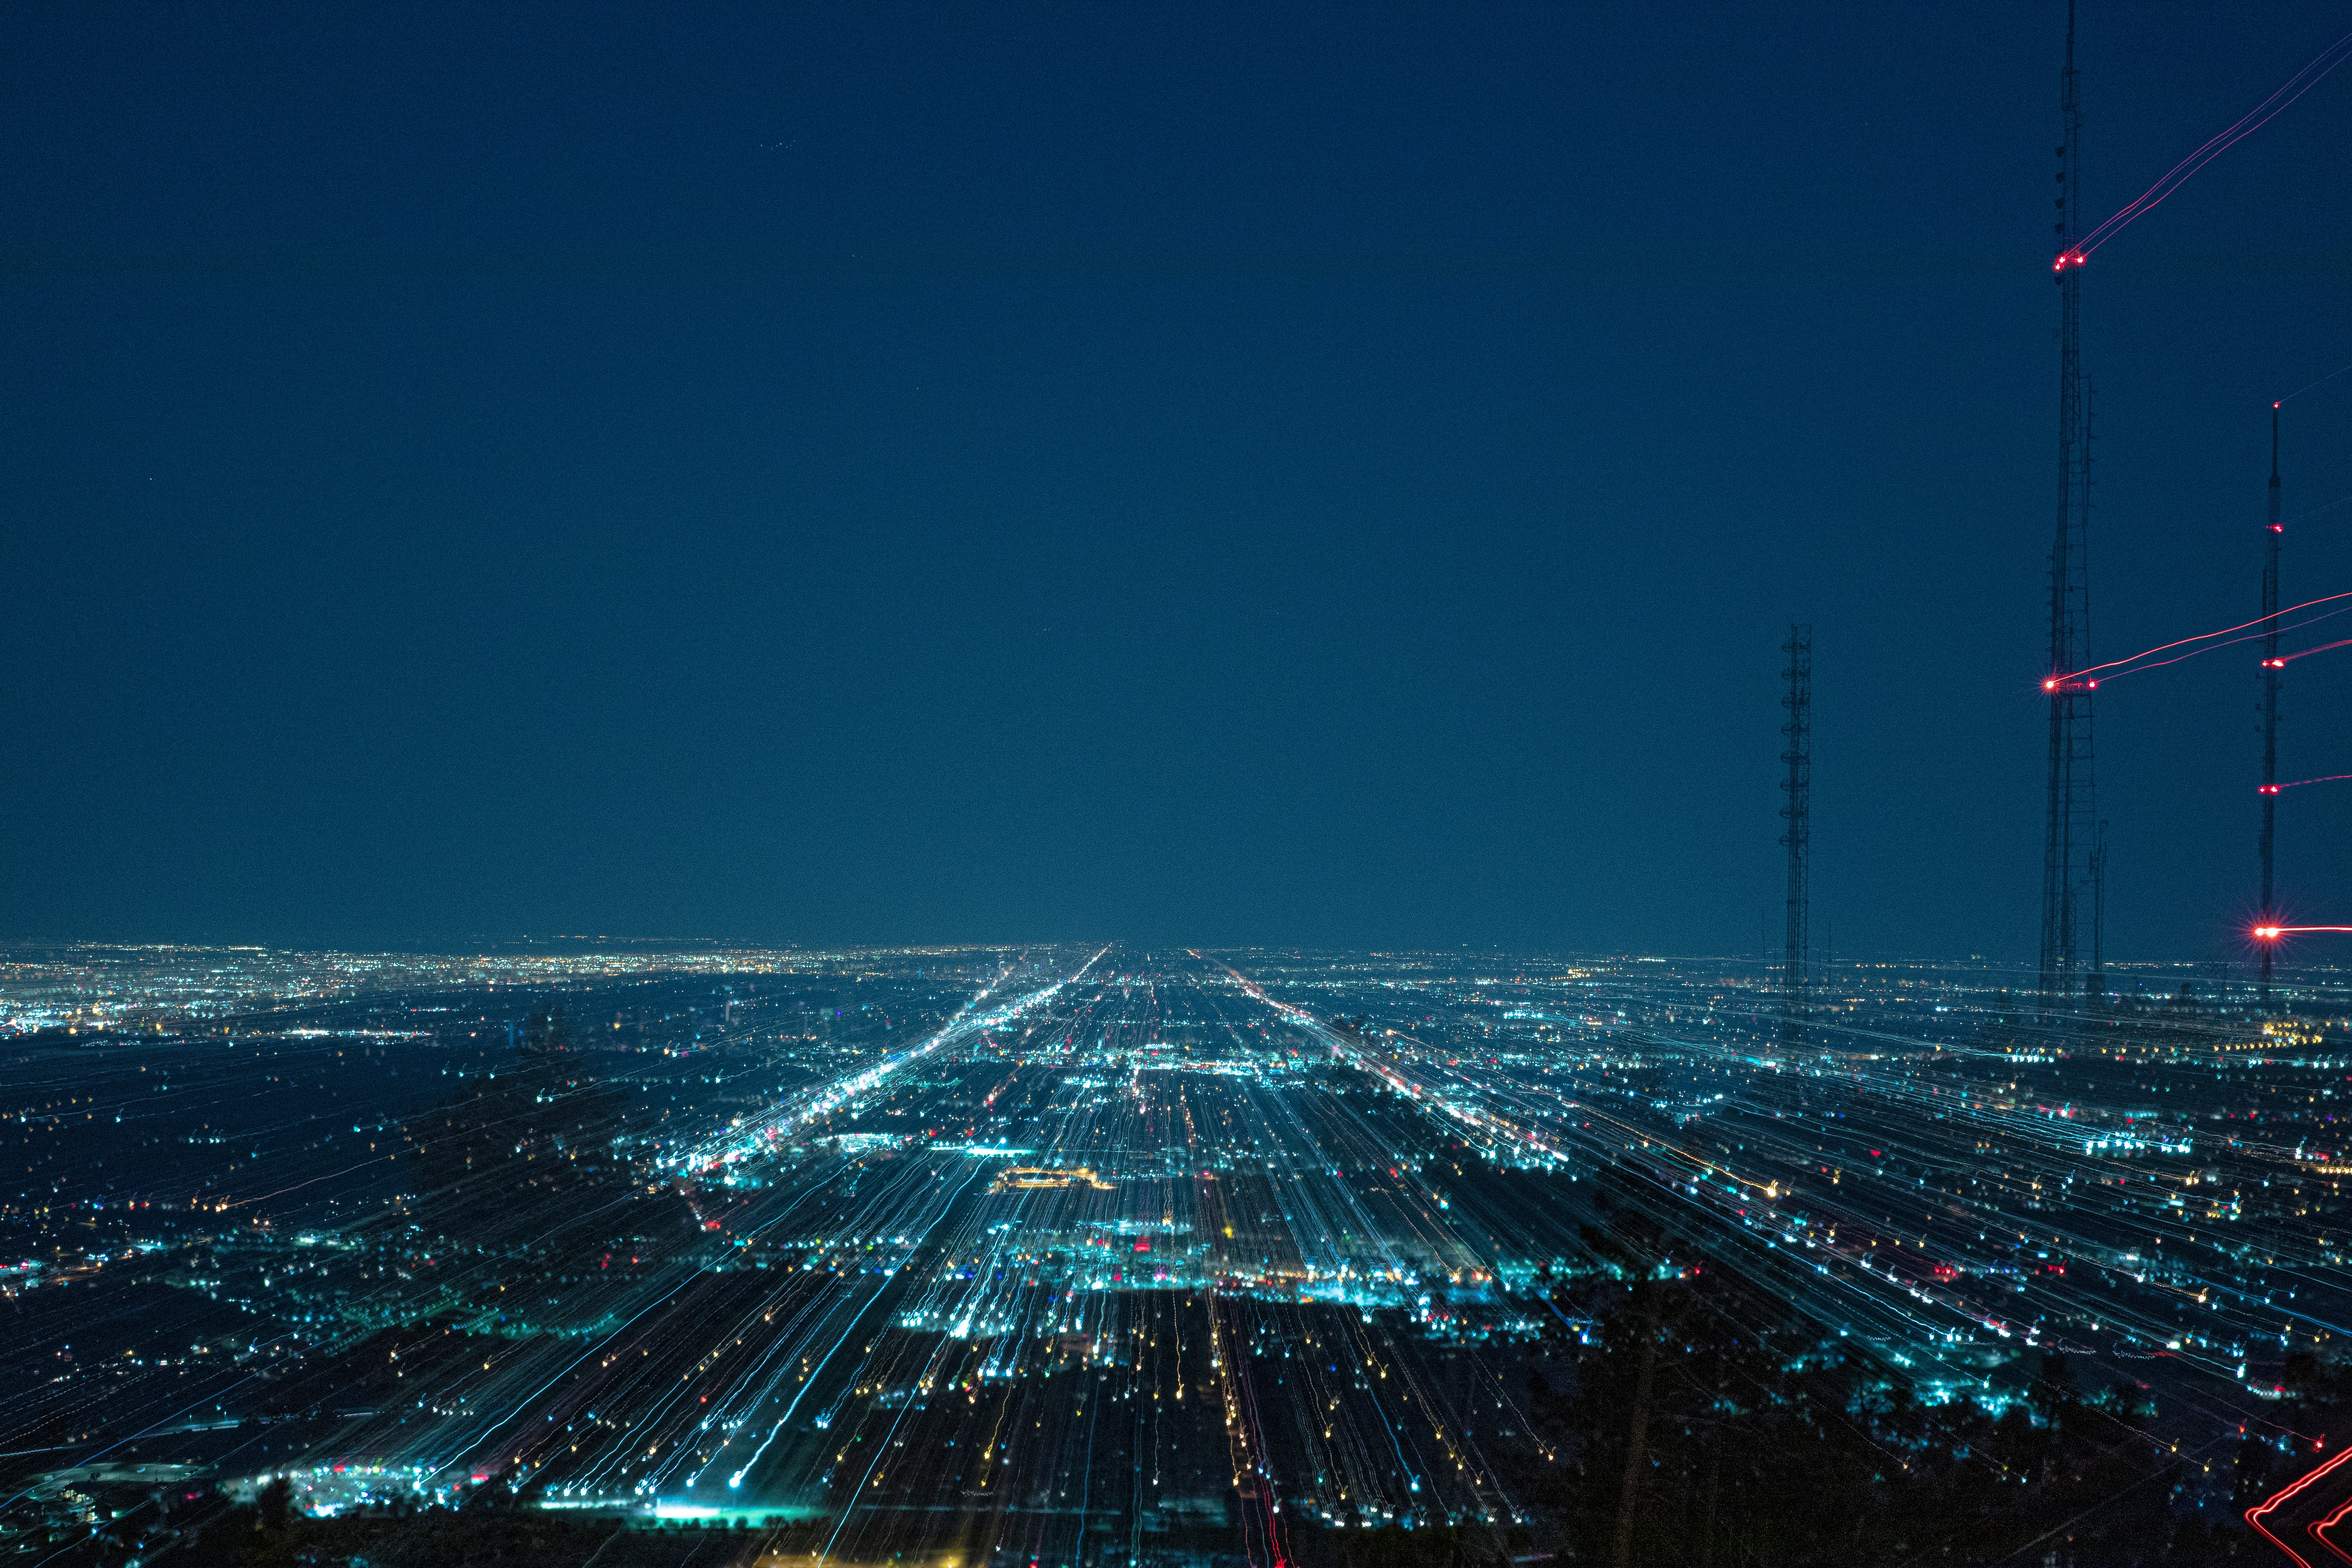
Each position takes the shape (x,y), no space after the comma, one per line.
(1221,475)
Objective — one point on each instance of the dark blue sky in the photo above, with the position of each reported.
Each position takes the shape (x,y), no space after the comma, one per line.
(1182,473)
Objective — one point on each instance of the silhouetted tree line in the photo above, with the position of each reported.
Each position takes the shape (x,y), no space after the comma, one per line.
(1709,1423)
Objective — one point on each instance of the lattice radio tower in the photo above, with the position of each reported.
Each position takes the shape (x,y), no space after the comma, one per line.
(2070,845)
(1798,786)
(2272,664)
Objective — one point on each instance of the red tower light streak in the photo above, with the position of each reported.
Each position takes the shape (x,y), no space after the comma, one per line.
(2303,81)
(2307,652)
(2298,783)
(2132,665)
(2255,1515)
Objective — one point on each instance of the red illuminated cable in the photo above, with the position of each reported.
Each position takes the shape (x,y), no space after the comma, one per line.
(2052,683)
(2303,81)
(2202,636)
(2254,1514)
(2322,648)
(2324,778)
(2318,1531)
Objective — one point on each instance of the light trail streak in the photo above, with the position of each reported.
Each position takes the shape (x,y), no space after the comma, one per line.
(2303,81)
(2068,680)
(2260,1511)
(782,1120)
(2319,1529)
(1824,1235)
(2316,512)
(347,1170)
(2323,381)
(1644,1152)
(2306,653)
(2298,783)
(1379,1174)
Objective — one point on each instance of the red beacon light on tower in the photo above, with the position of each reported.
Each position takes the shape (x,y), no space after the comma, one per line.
(2267,789)
(2268,934)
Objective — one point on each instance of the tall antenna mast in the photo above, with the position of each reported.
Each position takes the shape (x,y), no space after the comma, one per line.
(2098,981)
(2070,831)
(1799,786)
(2272,664)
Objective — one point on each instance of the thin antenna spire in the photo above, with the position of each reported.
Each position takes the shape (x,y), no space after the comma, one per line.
(2098,984)
(2270,666)
(1797,957)
(2070,830)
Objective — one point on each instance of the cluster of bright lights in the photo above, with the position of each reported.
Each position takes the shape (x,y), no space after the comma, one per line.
(785,1119)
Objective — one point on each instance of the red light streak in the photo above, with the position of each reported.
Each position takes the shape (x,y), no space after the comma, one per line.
(2303,81)
(2272,933)
(2319,1531)
(2298,784)
(2322,648)
(2206,638)
(2254,1515)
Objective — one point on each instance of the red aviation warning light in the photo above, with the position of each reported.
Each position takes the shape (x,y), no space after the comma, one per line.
(2273,933)
(2266,789)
